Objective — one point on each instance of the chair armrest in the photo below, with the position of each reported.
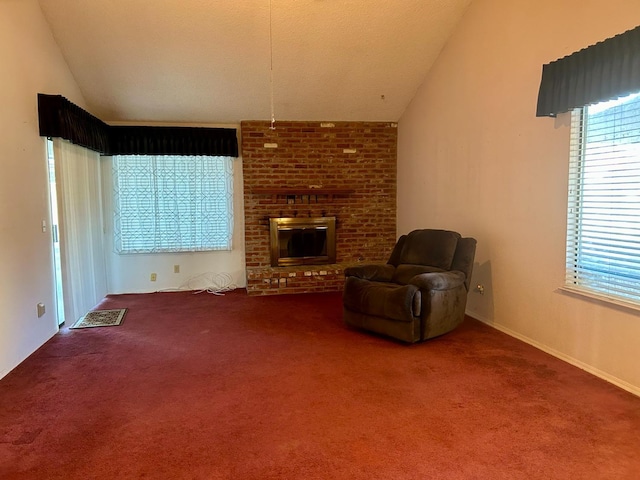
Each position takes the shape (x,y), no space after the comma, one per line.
(376,273)
(438,280)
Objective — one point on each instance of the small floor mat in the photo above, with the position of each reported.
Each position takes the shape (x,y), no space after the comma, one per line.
(101,318)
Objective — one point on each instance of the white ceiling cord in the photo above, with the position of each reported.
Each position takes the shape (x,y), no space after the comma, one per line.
(273,115)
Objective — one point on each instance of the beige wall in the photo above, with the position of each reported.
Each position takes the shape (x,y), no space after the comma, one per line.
(473,157)
(30,62)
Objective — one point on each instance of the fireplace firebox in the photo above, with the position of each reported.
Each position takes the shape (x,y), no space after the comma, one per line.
(302,241)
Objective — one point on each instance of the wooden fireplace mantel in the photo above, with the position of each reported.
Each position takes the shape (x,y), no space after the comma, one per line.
(300,191)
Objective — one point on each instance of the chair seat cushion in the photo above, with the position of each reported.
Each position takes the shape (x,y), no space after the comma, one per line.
(405,272)
(381,299)
(377,272)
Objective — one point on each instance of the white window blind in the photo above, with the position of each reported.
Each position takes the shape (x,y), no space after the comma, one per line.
(172,203)
(603,222)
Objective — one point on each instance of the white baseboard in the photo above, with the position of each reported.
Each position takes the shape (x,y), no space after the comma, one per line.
(566,358)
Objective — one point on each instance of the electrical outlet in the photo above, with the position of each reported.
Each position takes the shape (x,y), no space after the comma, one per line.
(154,277)
(176,269)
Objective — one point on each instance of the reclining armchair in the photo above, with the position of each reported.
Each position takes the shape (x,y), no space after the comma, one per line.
(420,293)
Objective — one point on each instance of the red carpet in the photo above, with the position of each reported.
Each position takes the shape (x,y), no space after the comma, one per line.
(237,387)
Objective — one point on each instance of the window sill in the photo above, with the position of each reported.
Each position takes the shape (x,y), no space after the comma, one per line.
(600,298)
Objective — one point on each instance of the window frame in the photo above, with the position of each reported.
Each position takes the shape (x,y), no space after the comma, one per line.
(579,279)
(156,236)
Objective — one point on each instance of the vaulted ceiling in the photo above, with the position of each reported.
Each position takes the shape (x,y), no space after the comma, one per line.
(211,61)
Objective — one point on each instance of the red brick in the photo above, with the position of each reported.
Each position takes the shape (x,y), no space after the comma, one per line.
(309,154)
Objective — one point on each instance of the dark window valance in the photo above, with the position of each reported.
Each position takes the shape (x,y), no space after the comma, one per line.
(603,71)
(58,117)
(173,141)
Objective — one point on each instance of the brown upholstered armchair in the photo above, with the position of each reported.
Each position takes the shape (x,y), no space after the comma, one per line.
(420,293)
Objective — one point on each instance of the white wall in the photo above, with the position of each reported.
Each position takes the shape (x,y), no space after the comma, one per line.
(473,157)
(30,62)
(132,273)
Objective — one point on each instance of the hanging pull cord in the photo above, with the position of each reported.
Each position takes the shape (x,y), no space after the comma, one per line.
(273,115)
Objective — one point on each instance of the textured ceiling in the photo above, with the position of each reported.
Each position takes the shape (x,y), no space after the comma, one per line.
(207,61)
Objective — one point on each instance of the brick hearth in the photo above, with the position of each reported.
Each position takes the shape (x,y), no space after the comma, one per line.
(356,159)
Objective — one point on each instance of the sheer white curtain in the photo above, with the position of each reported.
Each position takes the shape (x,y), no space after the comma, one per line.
(78,186)
(172,203)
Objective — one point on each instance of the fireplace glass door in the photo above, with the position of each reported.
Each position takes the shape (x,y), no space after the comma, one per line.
(302,241)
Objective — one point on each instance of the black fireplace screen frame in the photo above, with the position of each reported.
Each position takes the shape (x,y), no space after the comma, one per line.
(302,241)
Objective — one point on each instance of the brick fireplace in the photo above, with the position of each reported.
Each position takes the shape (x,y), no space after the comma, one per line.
(345,170)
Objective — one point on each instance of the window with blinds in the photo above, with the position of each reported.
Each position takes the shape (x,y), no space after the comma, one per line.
(603,222)
(172,203)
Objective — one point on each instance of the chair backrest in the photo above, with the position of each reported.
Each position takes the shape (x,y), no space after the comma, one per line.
(435,248)
(442,249)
